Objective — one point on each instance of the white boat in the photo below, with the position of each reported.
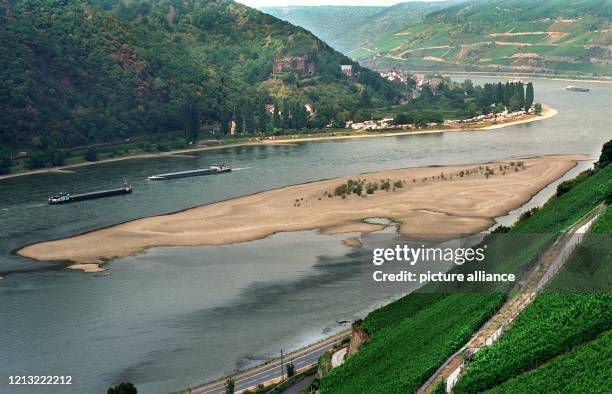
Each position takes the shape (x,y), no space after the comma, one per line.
(576,89)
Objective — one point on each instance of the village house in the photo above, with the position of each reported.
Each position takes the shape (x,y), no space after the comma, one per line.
(394,76)
(347,69)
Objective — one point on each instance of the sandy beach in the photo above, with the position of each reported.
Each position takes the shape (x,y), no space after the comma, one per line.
(431,200)
(547,112)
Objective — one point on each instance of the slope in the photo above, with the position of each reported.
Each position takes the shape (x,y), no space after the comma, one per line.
(346,28)
(551,36)
(84,72)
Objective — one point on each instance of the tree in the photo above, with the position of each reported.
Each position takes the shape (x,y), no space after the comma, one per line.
(193,128)
(58,158)
(402,119)
(230,386)
(529,95)
(499,93)
(290,370)
(5,164)
(286,116)
(123,388)
(91,154)
(538,108)
(36,160)
(520,92)
(300,116)
(606,155)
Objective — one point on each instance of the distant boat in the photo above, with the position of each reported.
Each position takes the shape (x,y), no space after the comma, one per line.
(63,197)
(102,274)
(212,169)
(576,89)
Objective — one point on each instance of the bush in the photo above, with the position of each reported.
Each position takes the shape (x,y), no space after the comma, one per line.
(606,155)
(565,187)
(290,370)
(230,386)
(58,158)
(91,154)
(439,388)
(123,388)
(163,147)
(36,160)
(341,190)
(402,119)
(5,164)
(538,108)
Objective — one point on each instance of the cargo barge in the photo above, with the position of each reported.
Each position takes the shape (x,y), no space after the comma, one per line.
(213,169)
(63,198)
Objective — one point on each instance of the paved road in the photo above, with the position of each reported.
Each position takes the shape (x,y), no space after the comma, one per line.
(271,370)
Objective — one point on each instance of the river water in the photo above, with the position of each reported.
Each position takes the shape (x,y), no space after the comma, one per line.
(175,317)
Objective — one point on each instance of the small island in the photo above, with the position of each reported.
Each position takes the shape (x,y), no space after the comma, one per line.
(429,201)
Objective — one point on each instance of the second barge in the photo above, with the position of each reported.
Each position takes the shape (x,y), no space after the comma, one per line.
(213,169)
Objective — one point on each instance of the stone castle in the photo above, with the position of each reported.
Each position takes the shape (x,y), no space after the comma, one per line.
(301,64)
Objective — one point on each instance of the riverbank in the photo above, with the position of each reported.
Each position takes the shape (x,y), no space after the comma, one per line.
(487,74)
(429,202)
(341,134)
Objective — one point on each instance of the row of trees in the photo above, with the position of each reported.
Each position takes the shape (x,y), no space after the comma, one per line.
(512,95)
(447,99)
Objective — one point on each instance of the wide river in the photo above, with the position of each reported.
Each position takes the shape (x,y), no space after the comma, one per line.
(175,317)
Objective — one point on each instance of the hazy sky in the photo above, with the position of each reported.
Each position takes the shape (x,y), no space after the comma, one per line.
(276,3)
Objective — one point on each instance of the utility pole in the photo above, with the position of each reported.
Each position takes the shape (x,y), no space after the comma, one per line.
(281,366)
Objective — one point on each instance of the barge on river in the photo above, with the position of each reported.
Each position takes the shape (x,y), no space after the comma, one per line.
(213,169)
(63,198)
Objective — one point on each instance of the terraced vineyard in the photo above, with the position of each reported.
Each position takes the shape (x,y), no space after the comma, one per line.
(582,367)
(401,356)
(553,324)
(551,36)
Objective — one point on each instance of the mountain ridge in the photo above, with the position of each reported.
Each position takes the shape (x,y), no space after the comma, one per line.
(104,70)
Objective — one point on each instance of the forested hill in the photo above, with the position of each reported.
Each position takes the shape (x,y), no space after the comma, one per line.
(79,72)
(348,27)
(548,36)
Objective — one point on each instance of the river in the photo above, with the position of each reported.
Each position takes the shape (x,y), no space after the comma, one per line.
(175,317)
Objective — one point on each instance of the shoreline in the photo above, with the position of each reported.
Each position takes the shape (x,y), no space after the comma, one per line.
(547,112)
(421,206)
(487,74)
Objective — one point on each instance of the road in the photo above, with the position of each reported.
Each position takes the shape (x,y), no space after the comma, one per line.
(271,370)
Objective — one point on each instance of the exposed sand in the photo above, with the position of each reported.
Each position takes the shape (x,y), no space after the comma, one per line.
(459,205)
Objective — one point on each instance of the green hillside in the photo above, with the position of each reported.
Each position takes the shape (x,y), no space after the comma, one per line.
(524,360)
(550,36)
(346,28)
(80,72)
(410,338)
(323,21)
